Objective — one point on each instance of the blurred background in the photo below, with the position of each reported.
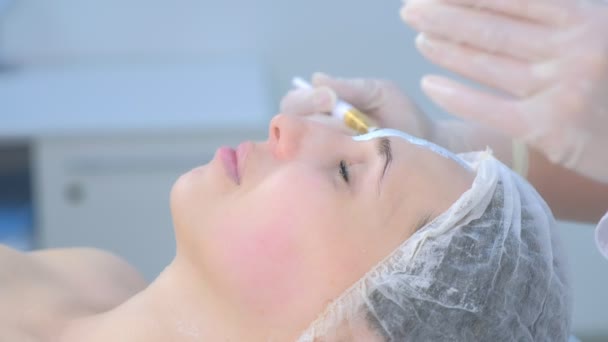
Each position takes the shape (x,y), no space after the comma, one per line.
(103,104)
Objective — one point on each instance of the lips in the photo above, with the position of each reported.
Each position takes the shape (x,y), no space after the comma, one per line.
(234,161)
(228,157)
(242,152)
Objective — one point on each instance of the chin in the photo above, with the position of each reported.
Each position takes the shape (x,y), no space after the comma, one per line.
(186,187)
(194,191)
(185,205)
(178,196)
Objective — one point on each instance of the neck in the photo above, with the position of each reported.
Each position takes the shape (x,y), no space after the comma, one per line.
(175,307)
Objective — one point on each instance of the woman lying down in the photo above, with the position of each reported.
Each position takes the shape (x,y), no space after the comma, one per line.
(315,235)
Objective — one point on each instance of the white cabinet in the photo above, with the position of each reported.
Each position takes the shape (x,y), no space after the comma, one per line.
(113,192)
(108,142)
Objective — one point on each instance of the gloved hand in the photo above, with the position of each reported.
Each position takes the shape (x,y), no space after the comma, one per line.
(547,59)
(382,100)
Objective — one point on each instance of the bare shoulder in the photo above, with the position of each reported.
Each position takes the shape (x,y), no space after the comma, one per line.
(6,252)
(15,267)
(104,274)
(40,290)
(88,260)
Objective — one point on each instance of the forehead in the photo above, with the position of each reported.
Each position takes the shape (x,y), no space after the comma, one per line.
(420,183)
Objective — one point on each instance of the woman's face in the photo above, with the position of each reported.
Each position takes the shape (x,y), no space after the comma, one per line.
(307,213)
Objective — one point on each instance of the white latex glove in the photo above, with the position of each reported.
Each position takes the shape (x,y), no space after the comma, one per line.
(382,100)
(547,59)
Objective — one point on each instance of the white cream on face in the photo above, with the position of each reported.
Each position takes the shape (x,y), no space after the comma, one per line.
(387,132)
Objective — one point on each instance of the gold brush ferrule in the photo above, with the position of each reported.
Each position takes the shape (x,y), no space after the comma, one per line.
(358,121)
(352,117)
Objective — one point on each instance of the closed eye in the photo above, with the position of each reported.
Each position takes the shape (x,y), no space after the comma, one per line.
(344,172)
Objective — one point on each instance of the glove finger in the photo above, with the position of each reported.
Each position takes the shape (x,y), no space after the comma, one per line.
(548,12)
(468,103)
(486,31)
(308,101)
(506,74)
(367,95)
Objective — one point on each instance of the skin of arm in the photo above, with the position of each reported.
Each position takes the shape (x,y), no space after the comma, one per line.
(571,196)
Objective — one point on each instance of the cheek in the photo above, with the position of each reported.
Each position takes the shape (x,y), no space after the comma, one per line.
(264,249)
(284,248)
(261,262)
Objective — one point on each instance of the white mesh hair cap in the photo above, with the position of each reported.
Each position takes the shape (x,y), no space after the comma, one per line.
(488,269)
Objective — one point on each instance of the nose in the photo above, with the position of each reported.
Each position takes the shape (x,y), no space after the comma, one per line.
(285,135)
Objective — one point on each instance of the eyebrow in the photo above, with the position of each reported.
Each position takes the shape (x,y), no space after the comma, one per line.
(385,150)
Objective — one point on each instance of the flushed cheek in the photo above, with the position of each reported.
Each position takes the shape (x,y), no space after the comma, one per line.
(262,263)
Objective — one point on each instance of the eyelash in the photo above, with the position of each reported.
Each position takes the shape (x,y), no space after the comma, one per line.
(344,171)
